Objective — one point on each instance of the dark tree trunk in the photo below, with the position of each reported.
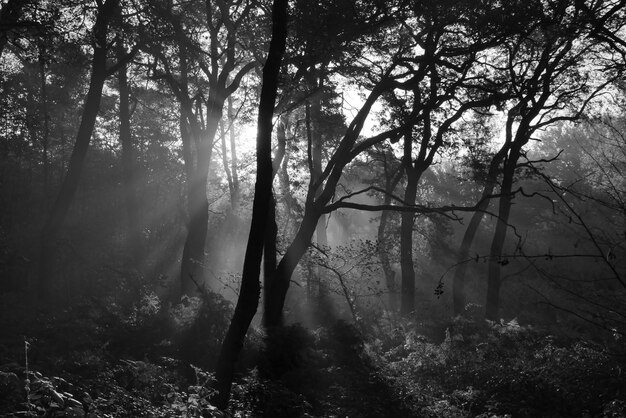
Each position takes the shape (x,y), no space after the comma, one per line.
(384,247)
(128,164)
(324,304)
(227,171)
(192,263)
(236,194)
(315,140)
(276,291)
(230,169)
(497,244)
(271,234)
(458,282)
(407,220)
(284,182)
(313,280)
(66,194)
(407,301)
(250,290)
(383,254)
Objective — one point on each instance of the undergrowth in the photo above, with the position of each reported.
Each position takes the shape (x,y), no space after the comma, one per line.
(490,369)
(152,360)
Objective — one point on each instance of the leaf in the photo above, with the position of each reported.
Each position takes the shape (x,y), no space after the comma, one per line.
(56,396)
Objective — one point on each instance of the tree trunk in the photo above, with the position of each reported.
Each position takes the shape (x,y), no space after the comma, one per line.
(229,176)
(383,243)
(128,164)
(248,300)
(315,139)
(271,234)
(407,220)
(497,244)
(407,301)
(276,291)
(236,195)
(458,282)
(383,254)
(66,194)
(192,263)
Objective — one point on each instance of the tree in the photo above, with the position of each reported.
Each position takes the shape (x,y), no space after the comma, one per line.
(385,246)
(129,163)
(100,71)
(250,290)
(221,66)
(397,68)
(458,283)
(550,85)
(450,70)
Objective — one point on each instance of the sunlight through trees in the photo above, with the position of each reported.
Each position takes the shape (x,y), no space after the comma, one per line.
(243,194)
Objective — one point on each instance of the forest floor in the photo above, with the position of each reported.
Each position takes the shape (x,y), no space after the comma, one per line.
(98,360)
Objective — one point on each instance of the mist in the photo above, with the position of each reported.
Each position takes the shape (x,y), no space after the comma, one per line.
(312,209)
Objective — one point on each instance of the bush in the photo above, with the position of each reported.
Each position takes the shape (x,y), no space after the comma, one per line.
(499,369)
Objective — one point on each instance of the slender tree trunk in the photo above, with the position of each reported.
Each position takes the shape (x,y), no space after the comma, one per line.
(229,176)
(276,292)
(192,263)
(315,139)
(269,249)
(66,194)
(284,181)
(236,196)
(313,279)
(250,290)
(407,220)
(324,304)
(497,244)
(384,248)
(271,234)
(383,254)
(194,138)
(189,164)
(458,282)
(128,164)
(407,301)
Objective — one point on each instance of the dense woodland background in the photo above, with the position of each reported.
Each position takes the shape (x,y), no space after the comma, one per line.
(302,208)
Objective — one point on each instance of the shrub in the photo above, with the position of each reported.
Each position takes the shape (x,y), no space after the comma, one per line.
(499,369)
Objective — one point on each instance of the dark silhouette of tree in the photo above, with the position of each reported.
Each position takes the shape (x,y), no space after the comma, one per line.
(129,160)
(100,71)
(550,85)
(250,290)
(458,283)
(392,176)
(202,82)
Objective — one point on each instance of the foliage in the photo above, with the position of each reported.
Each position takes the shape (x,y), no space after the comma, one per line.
(111,360)
(256,396)
(477,368)
(495,369)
